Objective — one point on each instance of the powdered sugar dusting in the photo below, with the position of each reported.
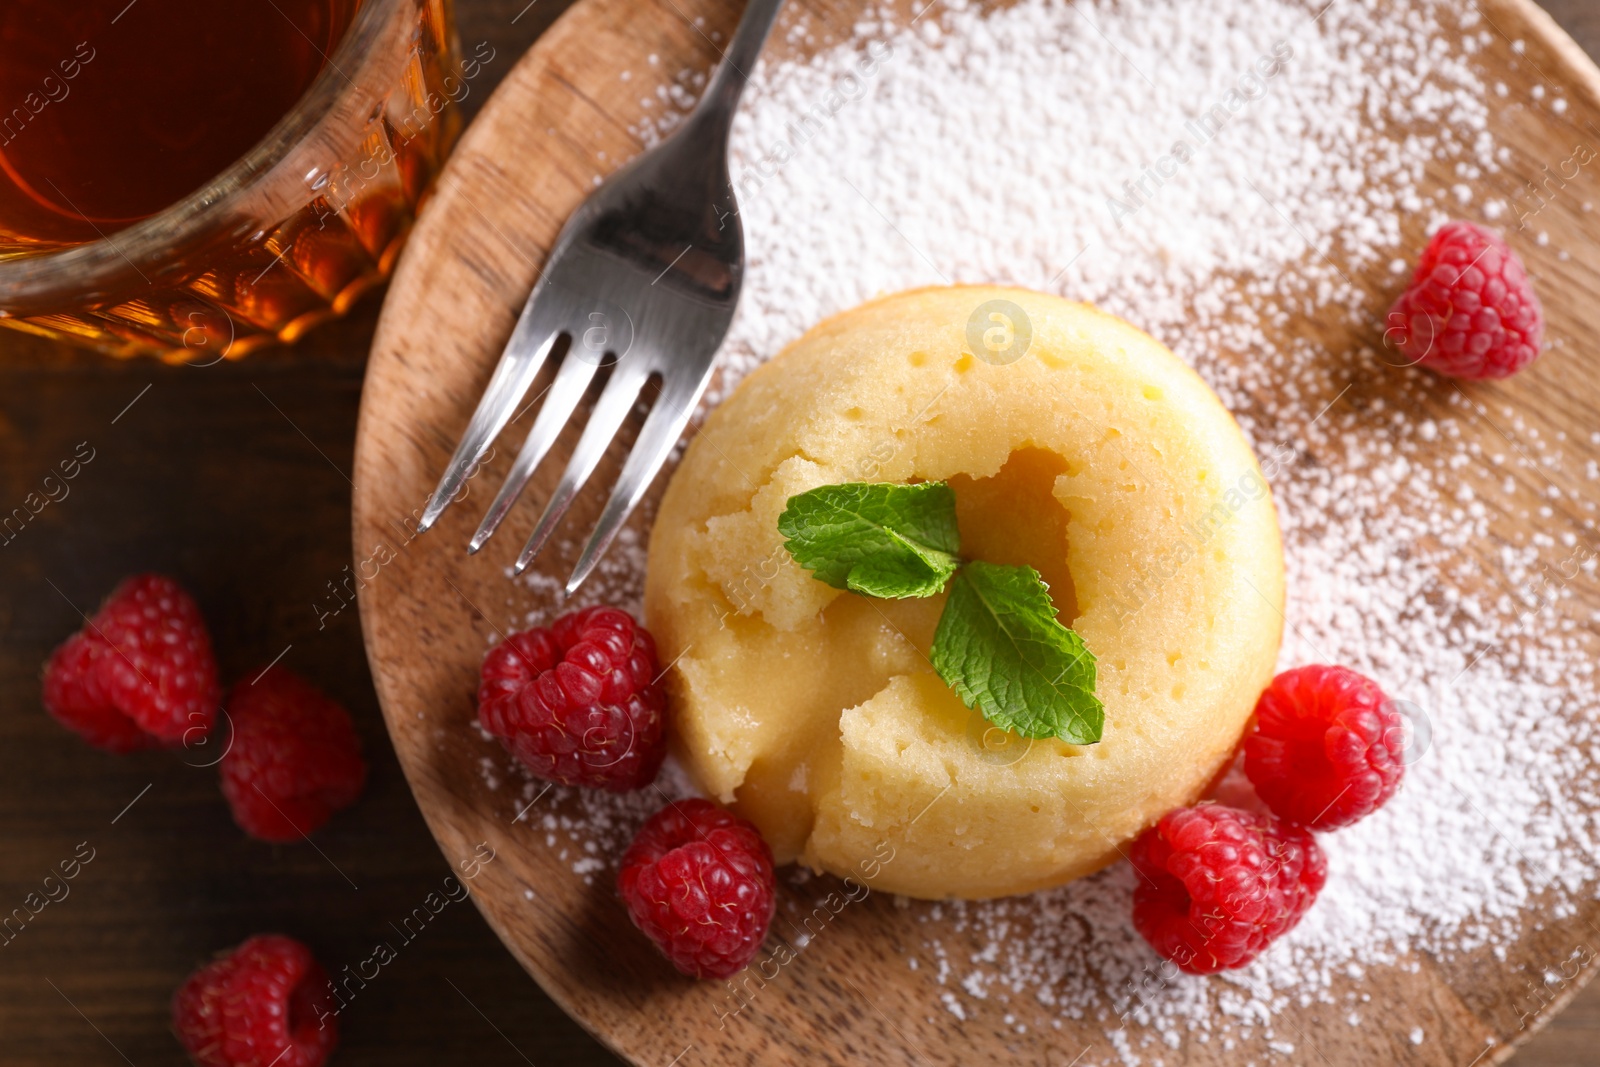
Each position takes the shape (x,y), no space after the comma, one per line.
(1038,145)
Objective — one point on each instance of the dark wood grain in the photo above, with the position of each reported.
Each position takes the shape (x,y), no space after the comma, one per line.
(234,479)
(249,505)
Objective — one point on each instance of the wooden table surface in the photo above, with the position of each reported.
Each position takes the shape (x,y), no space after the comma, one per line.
(235,479)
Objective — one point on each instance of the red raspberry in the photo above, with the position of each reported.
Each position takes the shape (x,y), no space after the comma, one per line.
(266,1004)
(140,672)
(698,881)
(1327,747)
(294,758)
(1470,311)
(577,703)
(1218,885)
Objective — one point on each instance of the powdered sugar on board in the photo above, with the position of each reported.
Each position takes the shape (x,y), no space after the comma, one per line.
(1218,173)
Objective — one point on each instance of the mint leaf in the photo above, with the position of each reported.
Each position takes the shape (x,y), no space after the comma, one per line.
(882,540)
(1001,649)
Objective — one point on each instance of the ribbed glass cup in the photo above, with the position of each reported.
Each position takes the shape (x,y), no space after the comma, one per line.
(287,237)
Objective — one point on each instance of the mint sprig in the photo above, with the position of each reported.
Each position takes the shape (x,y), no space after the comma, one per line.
(999,646)
(881,540)
(998,643)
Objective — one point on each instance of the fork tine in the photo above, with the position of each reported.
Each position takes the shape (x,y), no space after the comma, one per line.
(656,441)
(612,407)
(564,394)
(519,364)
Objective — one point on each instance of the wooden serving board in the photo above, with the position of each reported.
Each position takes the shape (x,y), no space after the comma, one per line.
(563,118)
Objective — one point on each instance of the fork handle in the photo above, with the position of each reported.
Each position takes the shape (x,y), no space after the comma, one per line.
(738,60)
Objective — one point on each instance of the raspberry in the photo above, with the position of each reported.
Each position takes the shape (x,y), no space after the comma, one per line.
(1470,311)
(577,703)
(266,1004)
(294,758)
(698,881)
(1218,885)
(140,672)
(1327,747)
(73,695)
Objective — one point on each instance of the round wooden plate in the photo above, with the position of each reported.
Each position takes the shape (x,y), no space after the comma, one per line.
(562,118)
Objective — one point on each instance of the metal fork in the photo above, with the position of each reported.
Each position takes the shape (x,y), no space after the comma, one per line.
(644,276)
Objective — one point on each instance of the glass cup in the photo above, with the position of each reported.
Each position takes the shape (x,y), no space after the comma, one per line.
(288,236)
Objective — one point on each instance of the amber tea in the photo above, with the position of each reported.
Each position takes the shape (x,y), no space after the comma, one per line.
(115,113)
(114,110)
